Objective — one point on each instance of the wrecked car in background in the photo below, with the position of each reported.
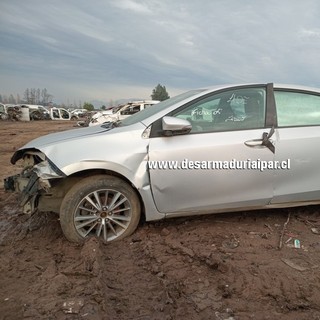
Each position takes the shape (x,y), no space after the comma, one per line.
(36,112)
(121,112)
(79,112)
(10,112)
(61,114)
(102,179)
(3,112)
(27,112)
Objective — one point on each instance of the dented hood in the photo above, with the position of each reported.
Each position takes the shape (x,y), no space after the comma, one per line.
(62,138)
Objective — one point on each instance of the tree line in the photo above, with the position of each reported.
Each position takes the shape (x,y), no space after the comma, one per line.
(10,99)
(43,97)
(30,96)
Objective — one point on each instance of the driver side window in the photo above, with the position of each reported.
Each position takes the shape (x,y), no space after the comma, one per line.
(232,110)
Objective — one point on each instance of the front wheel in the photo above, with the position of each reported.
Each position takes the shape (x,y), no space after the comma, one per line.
(101,206)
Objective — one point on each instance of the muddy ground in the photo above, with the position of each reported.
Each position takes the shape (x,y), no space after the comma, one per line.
(212,267)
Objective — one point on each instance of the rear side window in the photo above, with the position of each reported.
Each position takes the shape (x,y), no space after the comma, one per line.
(297,109)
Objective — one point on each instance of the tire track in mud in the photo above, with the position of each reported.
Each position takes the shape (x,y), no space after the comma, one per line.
(159,278)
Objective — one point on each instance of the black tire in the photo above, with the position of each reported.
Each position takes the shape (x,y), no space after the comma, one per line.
(36,115)
(101,206)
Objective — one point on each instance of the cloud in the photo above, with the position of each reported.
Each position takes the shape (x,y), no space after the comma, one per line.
(133,6)
(114,49)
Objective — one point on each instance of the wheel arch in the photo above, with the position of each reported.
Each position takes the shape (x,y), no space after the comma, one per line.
(72,179)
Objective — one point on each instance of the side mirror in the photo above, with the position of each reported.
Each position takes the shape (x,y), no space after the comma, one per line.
(172,126)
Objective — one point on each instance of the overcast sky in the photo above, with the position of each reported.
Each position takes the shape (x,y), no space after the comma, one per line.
(114,49)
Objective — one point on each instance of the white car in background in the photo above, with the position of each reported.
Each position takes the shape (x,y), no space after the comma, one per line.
(79,112)
(120,113)
(61,114)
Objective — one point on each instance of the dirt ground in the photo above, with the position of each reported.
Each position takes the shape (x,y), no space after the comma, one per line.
(211,267)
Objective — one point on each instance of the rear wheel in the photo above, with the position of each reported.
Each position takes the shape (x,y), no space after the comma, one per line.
(101,206)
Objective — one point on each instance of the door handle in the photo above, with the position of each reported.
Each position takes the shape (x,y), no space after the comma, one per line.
(264,142)
(254,143)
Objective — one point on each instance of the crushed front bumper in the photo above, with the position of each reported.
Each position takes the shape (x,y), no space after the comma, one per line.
(28,188)
(31,184)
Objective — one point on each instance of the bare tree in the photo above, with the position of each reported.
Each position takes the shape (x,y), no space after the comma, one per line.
(26,96)
(32,96)
(37,96)
(12,100)
(46,97)
(38,100)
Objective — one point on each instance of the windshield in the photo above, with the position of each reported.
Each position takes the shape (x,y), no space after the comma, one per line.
(150,111)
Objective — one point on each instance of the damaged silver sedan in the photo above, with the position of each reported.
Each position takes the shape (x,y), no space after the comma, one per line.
(225,148)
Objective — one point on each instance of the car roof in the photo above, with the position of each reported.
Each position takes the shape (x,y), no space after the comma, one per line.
(275,85)
(295,87)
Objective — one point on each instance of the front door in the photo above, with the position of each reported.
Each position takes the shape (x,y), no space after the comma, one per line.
(216,165)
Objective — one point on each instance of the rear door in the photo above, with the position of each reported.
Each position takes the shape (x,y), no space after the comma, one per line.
(298,139)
